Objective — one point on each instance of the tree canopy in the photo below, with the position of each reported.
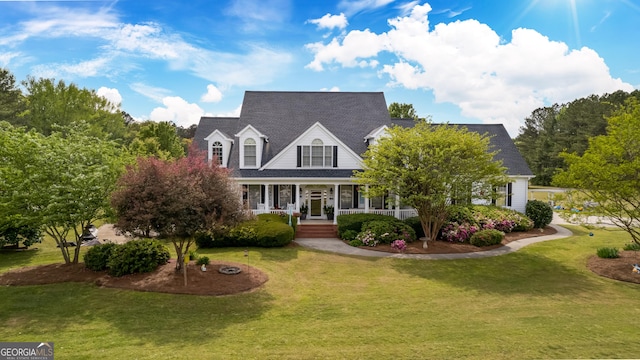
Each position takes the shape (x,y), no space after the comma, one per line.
(159,139)
(11,99)
(176,199)
(551,130)
(59,182)
(402,111)
(608,173)
(430,166)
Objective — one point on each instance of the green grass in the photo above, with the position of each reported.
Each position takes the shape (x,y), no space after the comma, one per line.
(540,302)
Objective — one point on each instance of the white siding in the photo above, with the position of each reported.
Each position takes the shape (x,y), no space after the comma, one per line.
(519,193)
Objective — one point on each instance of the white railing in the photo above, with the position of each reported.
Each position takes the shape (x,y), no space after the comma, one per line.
(401,214)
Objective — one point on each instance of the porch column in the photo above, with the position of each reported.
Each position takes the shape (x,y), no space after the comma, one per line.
(366,201)
(397,212)
(298,197)
(266,198)
(335,203)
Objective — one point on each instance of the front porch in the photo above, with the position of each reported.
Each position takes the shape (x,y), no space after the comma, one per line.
(318,199)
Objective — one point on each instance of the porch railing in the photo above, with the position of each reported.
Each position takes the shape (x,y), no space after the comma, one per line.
(402,213)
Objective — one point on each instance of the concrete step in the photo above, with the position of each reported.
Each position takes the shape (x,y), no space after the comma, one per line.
(317,231)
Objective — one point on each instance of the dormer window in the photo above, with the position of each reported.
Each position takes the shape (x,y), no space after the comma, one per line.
(216,153)
(317,155)
(250,153)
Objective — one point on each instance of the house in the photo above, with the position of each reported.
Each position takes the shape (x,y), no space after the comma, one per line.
(289,149)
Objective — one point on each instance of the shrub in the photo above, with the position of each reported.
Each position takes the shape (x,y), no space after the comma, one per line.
(416,225)
(455,232)
(486,237)
(355,243)
(399,245)
(273,234)
(385,231)
(138,256)
(607,253)
(97,257)
(540,212)
(204,260)
(632,246)
(461,214)
(355,221)
(349,235)
(282,216)
(367,238)
(193,255)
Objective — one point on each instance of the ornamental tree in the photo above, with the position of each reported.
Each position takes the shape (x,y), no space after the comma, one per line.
(608,173)
(176,199)
(59,183)
(430,166)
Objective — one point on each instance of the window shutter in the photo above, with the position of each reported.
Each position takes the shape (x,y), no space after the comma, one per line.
(299,156)
(509,190)
(335,156)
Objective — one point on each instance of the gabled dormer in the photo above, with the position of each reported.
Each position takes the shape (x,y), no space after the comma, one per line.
(250,145)
(372,137)
(219,147)
(316,148)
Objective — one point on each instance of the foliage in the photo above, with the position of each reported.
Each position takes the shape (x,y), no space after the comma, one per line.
(59,182)
(399,245)
(551,130)
(416,225)
(631,247)
(12,233)
(428,165)
(355,221)
(385,231)
(367,237)
(282,216)
(261,233)
(540,212)
(356,243)
(486,237)
(304,209)
(137,256)
(402,111)
(203,260)
(273,234)
(11,99)
(176,199)
(97,257)
(454,232)
(349,235)
(52,104)
(607,173)
(462,214)
(328,209)
(608,253)
(158,139)
(193,255)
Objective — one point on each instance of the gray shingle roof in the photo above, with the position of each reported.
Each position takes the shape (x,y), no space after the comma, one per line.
(283,116)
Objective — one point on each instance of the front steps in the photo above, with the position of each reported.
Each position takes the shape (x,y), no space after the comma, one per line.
(315,230)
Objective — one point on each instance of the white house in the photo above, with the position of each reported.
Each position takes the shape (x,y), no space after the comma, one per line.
(289,149)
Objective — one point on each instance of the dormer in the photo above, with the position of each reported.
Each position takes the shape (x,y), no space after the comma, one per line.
(375,134)
(251,142)
(219,147)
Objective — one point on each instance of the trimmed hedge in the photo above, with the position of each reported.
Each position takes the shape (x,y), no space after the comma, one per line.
(97,257)
(137,256)
(269,230)
(540,212)
(386,231)
(486,237)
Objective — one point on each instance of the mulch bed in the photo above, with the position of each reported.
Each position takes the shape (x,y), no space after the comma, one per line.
(619,268)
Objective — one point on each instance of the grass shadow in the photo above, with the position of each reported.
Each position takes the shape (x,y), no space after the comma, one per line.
(517,273)
(17,258)
(141,317)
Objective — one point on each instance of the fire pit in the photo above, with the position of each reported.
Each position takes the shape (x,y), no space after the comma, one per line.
(229,270)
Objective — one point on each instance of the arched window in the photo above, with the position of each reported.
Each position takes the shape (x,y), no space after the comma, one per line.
(216,152)
(317,155)
(250,152)
(317,152)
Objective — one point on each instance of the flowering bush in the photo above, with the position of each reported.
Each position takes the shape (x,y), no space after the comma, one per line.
(368,238)
(454,232)
(386,231)
(399,245)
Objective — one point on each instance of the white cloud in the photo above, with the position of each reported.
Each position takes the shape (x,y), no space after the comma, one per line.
(332,89)
(233,113)
(355,6)
(113,95)
(5,58)
(255,15)
(467,63)
(331,22)
(213,94)
(154,93)
(178,111)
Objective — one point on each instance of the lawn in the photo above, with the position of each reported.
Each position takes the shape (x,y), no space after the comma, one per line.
(540,302)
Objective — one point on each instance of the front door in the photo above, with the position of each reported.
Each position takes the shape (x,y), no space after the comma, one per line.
(315,208)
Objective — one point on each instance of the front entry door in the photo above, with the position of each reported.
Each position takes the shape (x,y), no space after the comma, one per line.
(315,208)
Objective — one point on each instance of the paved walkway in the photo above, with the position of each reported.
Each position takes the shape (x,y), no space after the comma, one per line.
(337,246)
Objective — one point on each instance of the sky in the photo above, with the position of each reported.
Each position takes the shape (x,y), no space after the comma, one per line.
(457,61)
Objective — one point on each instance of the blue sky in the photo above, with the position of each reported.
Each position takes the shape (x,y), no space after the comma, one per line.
(459,61)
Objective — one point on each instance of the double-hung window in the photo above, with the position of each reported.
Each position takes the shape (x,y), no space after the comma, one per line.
(216,152)
(317,155)
(250,157)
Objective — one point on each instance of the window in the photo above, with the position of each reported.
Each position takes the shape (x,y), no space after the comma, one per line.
(250,152)
(317,155)
(216,153)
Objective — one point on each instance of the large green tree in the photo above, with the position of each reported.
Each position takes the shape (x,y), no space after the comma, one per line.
(430,166)
(159,139)
(60,182)
(402,111)
(11,99)
(608,173)
(176,199)
(50,104)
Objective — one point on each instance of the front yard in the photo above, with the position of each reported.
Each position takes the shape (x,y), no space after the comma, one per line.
(541,302)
